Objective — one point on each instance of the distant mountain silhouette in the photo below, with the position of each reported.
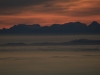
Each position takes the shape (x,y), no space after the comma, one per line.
(67,28)
(73,42)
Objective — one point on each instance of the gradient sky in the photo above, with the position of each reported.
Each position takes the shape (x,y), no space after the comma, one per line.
(46,12)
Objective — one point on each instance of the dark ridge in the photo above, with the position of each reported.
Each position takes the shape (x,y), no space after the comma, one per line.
(85,42)
(67,28)
(14,44)
(73,42)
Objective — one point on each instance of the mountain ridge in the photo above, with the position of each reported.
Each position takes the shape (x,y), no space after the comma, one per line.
(73,42)
(66,28)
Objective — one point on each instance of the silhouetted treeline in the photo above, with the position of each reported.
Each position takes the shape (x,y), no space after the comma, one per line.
(67,28)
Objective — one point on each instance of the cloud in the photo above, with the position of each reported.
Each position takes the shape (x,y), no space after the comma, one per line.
(59,56)
(60,7)
(20,3)
(18,6)
(86,8)
(19,58)
(48,11)
(91,55)
(11,7)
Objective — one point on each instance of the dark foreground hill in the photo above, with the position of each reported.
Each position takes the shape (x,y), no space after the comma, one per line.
(67,28)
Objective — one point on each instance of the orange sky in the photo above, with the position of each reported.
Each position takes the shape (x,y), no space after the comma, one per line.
(46,12)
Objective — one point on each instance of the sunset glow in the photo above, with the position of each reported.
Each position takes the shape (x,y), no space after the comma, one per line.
(47,12)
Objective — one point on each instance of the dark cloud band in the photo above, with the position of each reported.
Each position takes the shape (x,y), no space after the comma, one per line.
(20,3)
(60,7)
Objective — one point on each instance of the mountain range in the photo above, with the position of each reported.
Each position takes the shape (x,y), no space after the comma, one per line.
(73,42)
(67,28)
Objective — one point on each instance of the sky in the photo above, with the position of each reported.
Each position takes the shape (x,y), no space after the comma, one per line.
(47,12)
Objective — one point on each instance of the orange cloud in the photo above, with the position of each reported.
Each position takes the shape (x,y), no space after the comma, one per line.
(46,12)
